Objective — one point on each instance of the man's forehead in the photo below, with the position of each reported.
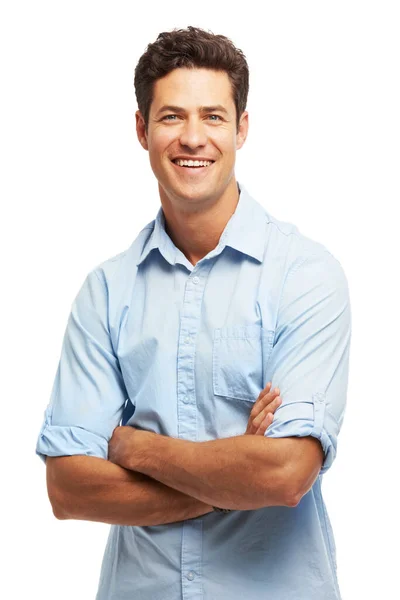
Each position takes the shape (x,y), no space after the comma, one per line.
(198,90)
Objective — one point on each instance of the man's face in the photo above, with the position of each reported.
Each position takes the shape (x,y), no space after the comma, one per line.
(200,125)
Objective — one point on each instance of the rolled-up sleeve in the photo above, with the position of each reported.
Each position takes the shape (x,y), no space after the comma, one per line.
(88,393)
(309,360)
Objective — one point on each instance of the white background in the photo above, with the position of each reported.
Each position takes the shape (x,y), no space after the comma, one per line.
(76,188)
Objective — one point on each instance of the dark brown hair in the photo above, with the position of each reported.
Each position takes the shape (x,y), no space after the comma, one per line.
(191,48)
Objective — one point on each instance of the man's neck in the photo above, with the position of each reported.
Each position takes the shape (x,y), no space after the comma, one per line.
(198,232)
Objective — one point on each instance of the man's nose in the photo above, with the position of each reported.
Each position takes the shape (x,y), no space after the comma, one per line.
(193,133)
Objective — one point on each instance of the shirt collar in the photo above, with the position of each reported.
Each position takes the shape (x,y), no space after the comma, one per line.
(245,232)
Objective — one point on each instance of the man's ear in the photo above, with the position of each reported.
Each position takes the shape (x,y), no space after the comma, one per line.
(141,129)
(243,130)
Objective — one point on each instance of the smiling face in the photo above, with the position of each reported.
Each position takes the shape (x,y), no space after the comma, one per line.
(193,116)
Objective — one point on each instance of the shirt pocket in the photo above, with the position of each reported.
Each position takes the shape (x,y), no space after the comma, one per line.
(240,358)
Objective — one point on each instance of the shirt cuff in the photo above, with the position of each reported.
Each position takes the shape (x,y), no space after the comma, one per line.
(308,418)
(55,440)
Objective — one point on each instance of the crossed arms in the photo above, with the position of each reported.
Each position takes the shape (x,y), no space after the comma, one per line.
(165,480)
(153,479)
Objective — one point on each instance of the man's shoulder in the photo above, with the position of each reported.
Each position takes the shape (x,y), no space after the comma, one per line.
(119,265)
(282,234)
(285,237)
(288,251)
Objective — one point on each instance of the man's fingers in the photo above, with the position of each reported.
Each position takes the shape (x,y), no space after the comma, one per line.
(271,407)
(266,397)
(266,422)
(268,394)
(261,415)
(265,391)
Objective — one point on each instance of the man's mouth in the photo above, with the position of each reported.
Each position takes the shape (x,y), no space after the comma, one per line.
(193,164)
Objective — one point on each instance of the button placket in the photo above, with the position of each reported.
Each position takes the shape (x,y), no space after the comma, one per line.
(187,415)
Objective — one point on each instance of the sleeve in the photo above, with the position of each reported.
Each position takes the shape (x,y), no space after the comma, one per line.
(309,360)
(88,394)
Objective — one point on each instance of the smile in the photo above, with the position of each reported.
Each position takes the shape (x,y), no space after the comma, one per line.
(193,171)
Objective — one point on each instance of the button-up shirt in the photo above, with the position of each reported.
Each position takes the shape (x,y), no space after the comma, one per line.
(184,350)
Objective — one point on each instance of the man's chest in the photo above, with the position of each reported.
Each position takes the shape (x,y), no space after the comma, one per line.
(194,347)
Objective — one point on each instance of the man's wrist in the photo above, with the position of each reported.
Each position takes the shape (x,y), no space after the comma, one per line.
(137,456)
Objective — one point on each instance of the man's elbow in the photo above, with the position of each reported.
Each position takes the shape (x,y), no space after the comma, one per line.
(296,490)
(302,468)
(54,489)
(59,510)
(56,506)
(59,514)
(279,490)
(291,495)
(291,490)
(293,499)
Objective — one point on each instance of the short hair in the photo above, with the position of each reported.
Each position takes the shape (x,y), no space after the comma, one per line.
(191,48)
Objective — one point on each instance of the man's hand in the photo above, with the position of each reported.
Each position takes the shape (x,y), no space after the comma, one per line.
(262,413)
(124,443)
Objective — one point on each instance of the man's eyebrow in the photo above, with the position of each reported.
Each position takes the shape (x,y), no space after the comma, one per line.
(202,109)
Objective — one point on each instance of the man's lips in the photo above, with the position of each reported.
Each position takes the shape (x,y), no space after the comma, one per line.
(192,171)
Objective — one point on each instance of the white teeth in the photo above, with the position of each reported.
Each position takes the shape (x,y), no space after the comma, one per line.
(193,163)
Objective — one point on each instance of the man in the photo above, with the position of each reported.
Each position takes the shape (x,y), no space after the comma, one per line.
(215,305)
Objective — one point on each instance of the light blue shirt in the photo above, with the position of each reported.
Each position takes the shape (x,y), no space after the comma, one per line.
(157,343)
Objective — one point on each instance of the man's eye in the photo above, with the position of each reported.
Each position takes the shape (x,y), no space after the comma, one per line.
(171,117)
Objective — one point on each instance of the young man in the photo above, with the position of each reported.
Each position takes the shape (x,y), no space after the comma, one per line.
(178,337)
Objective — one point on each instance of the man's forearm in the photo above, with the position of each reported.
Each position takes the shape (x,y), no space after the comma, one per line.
(242,472)
(93,489)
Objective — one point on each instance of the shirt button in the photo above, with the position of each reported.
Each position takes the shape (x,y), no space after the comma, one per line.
(185,399)
(190,575)
(195,279)
(187,340)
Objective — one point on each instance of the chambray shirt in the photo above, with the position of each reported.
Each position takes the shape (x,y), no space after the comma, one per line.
(155,342)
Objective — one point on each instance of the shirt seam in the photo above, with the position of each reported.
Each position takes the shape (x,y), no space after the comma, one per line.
(331,557)
(292,270)
(299,263)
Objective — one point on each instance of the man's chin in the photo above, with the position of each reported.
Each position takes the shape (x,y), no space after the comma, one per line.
(190,191)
